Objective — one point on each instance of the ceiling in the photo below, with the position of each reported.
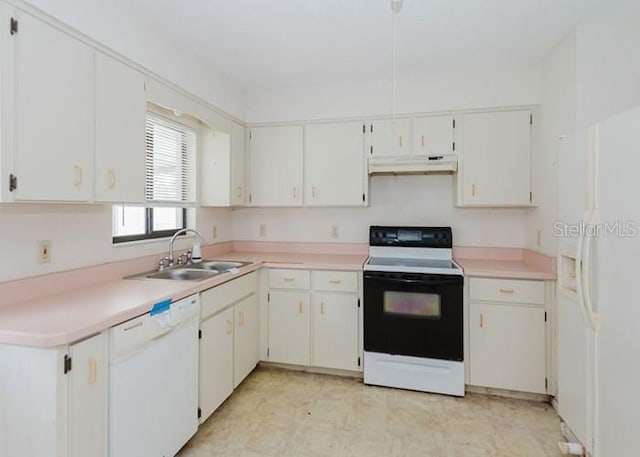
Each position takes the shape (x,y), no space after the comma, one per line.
(271,44)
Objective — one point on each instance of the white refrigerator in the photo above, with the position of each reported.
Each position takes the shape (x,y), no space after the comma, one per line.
(598,289)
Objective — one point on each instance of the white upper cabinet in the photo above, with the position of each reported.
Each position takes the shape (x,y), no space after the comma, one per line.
(494,168)
(276,166)
(433,136)
(388,138)
(237,190)
(334,172)
(53,114)
(120,132)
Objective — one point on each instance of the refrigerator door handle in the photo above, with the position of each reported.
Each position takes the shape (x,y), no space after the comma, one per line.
(591,218)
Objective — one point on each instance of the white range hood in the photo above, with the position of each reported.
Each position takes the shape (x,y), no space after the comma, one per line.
(436,164)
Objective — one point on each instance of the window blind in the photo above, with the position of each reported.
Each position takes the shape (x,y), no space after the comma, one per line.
(170,148)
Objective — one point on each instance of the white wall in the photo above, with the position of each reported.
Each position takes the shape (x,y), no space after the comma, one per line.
(80,236)
(438,92)
(557,116)
(118,27)
(608,68)
(406,200)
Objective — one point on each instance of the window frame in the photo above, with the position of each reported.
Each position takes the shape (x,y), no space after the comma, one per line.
(151,234)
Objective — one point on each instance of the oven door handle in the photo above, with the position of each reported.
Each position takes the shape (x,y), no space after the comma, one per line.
(437,281)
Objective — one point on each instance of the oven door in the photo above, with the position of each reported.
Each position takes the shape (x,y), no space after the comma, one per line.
(413,314)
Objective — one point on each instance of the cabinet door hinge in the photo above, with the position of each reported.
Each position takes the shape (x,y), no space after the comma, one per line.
(268,298)
(67,364)
(199,413)
(530,197)
(358,361)
(199,334)
(371,128)
(364,128)
(13,182)
(530,119)
(268,351)
(546,384)
(250,198)
(358,303)
(250,136)
(545,316)
(453,146)
(454,123)
(13,26)
(371,150)
(364,198)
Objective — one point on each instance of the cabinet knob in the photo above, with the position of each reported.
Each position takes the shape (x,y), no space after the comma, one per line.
(506,290)
(335,281)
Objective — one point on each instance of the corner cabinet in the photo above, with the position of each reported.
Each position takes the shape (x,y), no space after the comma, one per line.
(276,165)
(52,119)
(494,168)
(54,401)
(507,334)
(334,167)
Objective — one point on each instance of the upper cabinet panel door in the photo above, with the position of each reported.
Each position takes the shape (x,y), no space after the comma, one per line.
(496,159)
(237,164)
(276,166)
(433,136)
(388,138)
(53,113)
(120,132)
(334,166)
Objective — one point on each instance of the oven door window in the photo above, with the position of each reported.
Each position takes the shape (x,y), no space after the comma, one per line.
(411,304)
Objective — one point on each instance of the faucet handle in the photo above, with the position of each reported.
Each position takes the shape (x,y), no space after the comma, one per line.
(164,262)
(183,258)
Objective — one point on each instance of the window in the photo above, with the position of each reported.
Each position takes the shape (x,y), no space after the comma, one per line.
(169,187)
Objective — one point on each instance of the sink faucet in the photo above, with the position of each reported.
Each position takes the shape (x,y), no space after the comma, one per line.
(173,238)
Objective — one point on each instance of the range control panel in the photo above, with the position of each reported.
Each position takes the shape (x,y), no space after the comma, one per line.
(419,237)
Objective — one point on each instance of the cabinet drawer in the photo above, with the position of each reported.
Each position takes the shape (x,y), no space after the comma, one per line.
(507,290)
(338,281)
(219,297)
(289,279)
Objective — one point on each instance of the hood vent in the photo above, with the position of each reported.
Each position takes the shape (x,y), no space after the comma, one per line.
(426,165)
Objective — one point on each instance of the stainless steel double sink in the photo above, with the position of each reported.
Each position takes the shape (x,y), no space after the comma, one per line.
(192,271)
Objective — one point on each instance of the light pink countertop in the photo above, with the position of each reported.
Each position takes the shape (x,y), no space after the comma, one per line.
(67,316)
(505,263)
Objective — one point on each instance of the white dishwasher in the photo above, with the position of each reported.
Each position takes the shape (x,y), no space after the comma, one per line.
(153,381)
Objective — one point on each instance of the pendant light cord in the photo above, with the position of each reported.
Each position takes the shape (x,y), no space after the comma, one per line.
(393,65)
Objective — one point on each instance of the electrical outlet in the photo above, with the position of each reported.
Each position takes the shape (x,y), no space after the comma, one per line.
(44,251)
(334,231)
(538,238)
(214,232)
(263,229)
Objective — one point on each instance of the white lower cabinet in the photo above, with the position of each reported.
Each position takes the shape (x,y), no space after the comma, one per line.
(289,327)
(54,400)
(507,340)
(314,318)
(228,340)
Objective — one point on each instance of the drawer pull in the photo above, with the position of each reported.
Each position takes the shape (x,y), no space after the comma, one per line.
(93,371)
(229,327)
(422,141)
(506,290)
(335,281)
(241,319)
(288,279)
(300,308)
(481,321)
(572,274)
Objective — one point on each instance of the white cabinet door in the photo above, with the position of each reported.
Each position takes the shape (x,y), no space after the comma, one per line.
(334,166)
(507,347)
(335,331)
(88,394)
(53,113)
(433,135)
(245,338)
(388,138)
(121,108)
(216,361)
(289,327)
(276,166)
(495,164)
(237,164)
